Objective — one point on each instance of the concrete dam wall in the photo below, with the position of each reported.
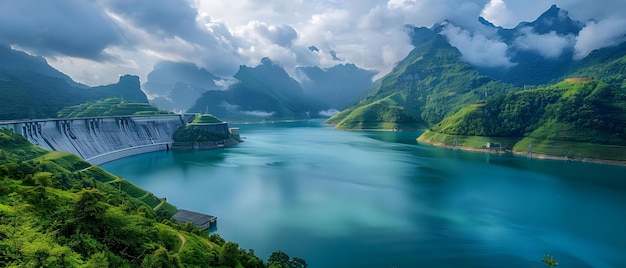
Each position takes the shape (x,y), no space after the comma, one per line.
(102,139)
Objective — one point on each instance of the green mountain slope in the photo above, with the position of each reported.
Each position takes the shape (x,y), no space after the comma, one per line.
(581,117)
(30,88)
(59,211)
(568,114)
(430,83)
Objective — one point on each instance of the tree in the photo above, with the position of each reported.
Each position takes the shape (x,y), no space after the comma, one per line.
(90,209)
(229,254)
(297,263)
(43,179)
(98,260)
(280,258)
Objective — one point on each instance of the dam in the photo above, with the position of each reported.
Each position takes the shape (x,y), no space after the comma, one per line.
(102,139)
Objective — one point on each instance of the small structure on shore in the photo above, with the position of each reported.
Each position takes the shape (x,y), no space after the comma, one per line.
(202,221)
(234,131)
(578,79)
(494,146)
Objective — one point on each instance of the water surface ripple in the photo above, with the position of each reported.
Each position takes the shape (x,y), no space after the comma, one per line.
(379,199)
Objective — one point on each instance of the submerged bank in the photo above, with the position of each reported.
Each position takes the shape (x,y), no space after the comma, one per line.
(532,148)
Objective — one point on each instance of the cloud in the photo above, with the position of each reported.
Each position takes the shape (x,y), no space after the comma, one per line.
(477,49)
(97,40)
(595,35)
(167,18)
(550,45)
(497,13)
(233,108)
(225,83)
(59,28)
(258,113)
(328,113)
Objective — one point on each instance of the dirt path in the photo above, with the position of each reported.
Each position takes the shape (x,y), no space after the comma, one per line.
(183,240)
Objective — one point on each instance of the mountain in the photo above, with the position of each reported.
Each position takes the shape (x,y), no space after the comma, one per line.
(336,87)
(579,111)
(31,88)
(177,85)
(18,60)
(430,83)
(576,118)
(534,66)
(265,92)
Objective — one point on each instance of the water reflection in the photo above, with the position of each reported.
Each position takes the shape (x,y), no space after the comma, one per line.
(377,199)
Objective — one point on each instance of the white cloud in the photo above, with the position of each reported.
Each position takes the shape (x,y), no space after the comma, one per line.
(550,45)
(497,13)
(258,113)
(604,33)
(111,37)
(225,83)
(328,113)
(477,48)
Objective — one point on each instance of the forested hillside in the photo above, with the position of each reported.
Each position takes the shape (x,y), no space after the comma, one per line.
(586,111)
(430,83)
(59,211)
(31,88)
(109,107)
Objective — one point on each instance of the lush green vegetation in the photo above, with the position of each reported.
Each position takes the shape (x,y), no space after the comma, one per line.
(435,89)
(431,83)
(587,112)
(205,119)
(109,107)
(59,211)
(27,95)
(200,133)
(191,133)
(575,119)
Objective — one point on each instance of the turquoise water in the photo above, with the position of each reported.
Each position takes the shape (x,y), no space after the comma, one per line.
(379,199)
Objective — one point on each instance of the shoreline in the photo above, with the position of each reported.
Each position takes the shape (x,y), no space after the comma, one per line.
(539,156)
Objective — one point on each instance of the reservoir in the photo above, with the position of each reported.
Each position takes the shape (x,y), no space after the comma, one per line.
(380,199)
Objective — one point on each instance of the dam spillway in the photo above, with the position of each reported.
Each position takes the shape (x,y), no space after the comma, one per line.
(102,139)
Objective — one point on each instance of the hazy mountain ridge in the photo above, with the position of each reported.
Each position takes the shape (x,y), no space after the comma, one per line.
(336,87)
(176,86)
(265,92)
(531,65)
(18,60)
(33,89)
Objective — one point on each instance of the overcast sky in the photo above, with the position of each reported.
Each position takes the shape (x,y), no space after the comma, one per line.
(96,41)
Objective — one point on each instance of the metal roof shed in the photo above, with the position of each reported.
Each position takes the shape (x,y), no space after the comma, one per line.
(202,221)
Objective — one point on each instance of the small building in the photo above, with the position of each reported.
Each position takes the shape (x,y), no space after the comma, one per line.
(495,146)
(234,131)
(202,221)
